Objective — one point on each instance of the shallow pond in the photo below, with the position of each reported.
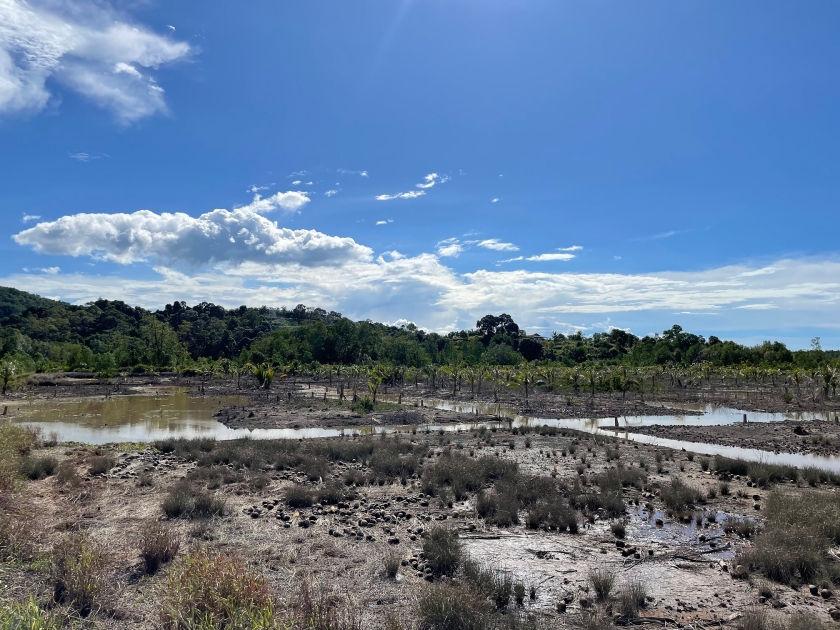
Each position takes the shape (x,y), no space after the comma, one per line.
(173,412)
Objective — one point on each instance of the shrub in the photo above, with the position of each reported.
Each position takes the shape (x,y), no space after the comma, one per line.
(678,496)
(553,514)
(724,489)
(602,580)
(206,590)
(452,607)
(184,500)
(159,543)
(330,493)
(391,563)
(297,496)
(799,531)
(619,529)
(145,480)
(620,477)
(101,464)
(38,467)
(498,507)
(492,584)
(632,598)
(67,475)
(77,572)
(442,551)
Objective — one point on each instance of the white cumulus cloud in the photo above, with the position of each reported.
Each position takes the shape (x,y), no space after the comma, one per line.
(86,47)
(220,236)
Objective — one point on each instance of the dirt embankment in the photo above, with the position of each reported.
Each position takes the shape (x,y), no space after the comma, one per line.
(813,437)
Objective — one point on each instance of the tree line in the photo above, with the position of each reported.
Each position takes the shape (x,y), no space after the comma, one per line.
(108,336)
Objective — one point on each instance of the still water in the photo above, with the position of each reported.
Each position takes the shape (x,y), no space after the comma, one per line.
(174,412)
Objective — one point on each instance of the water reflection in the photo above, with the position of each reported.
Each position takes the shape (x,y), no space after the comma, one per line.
(174,413)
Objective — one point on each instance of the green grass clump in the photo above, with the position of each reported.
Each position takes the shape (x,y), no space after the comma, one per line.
(799,531)
(679,496)
(207,590)
(27,616)
(442,551)
(35,468)
(185,500)
(77,572)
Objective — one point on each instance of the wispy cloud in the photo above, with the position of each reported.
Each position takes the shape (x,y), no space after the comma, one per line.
(757,307)
(297,182)
(298,174)
(385,222)
(256,189)
(87,48)
(330,193)
(497,245)
(346,172)
(510,260)
(495,200)
(412,194)
(48,270)
(431,179)
(764,271)
(31,217)
(573,248)
(549,257)
(81,157)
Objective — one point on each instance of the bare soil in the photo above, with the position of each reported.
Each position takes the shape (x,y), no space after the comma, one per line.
(813,437)
(684,567)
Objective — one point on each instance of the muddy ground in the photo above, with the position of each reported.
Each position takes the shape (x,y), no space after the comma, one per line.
(813,437)
(685,567)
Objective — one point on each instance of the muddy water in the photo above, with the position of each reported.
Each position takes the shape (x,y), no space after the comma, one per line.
(173,412)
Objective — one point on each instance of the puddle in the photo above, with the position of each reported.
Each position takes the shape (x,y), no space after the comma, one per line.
(707,539)
(172,412)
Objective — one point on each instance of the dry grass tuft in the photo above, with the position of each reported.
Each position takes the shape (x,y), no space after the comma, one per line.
(159,543)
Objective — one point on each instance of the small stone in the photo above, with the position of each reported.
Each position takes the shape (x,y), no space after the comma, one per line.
(814,590)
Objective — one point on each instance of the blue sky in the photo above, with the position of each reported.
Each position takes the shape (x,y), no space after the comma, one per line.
(578,165)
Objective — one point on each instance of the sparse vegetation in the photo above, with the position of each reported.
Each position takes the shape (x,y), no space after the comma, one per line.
(159,544)
(77,572)
(208,590)
(602,580)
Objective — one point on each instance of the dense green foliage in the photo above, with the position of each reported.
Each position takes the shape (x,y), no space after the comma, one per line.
(104,336)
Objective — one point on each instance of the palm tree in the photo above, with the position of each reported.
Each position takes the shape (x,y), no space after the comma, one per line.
(263,372)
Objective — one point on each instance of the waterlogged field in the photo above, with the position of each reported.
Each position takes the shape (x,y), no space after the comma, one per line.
(520,527)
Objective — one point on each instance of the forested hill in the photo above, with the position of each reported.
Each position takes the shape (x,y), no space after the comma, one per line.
(103,336)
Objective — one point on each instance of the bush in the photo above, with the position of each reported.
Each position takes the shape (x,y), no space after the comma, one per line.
(602,580)
(495,585)
(799,531)
(498,507)
(442,551)
(35,468)
(159,543)
(297,496)
(184,500)
(632,598)
(27,616)
(77,572)
(67,475)
(206,590)
(553,514)
(619,529)
(452,607)
(391,563)
(101,464)
(678,496)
